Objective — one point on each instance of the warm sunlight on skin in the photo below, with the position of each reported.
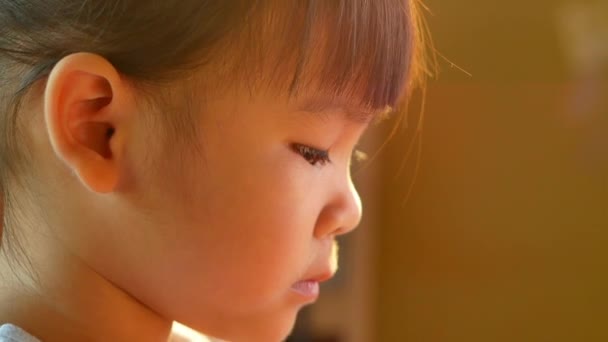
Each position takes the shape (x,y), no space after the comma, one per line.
(218,236)
(181,333)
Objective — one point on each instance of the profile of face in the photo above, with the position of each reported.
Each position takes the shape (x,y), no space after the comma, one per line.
(238,223)
(228,233)
(254,214)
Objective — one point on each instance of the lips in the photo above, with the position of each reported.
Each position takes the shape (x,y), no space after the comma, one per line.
(306,288)
(310,286)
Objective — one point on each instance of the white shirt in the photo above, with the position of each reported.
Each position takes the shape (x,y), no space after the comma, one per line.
(12,333)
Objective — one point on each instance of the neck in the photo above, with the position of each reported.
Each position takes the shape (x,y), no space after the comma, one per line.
(65,300)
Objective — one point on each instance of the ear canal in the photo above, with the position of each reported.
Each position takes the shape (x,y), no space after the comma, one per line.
(96,136)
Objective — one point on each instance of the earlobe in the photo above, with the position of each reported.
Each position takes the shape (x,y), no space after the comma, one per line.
(84,112)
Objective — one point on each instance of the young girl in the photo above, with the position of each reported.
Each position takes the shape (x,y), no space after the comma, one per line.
(184,160)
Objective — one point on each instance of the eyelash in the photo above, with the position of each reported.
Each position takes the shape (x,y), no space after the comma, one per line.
(315,156)
(312,155)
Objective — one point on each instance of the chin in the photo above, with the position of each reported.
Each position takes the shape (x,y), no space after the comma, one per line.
(268,329)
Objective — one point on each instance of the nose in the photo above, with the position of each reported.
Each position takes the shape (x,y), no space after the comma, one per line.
(342,213)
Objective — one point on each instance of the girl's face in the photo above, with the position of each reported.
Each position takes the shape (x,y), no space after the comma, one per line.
(220,236)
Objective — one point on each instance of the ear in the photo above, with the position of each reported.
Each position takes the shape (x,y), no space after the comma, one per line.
(86,106)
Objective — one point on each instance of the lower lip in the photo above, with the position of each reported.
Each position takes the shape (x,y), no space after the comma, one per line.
(307,288)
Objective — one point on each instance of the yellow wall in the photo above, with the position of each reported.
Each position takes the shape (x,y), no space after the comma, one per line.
(505,237)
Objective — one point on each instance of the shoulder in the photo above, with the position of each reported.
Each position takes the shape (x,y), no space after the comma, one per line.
(12,333)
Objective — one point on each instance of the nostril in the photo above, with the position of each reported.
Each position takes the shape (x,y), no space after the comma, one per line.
(341,214)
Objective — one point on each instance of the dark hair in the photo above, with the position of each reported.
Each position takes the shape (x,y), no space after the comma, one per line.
(360,49)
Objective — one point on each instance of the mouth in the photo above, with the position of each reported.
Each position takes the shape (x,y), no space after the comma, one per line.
(310,288)
(306,288)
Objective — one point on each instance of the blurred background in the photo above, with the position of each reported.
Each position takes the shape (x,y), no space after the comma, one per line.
(505,233)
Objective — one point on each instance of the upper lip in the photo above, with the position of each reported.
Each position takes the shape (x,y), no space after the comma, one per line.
(321,277)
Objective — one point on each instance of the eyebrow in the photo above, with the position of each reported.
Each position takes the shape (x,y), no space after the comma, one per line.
(356,114)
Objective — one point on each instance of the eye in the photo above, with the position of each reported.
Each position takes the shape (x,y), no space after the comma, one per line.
(312,155)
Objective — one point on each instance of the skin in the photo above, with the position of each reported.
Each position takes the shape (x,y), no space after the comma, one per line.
(126,237)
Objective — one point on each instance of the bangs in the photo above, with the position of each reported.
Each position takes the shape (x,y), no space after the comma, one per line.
(359,51)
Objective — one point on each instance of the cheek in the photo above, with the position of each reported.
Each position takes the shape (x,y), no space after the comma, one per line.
(249,239)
